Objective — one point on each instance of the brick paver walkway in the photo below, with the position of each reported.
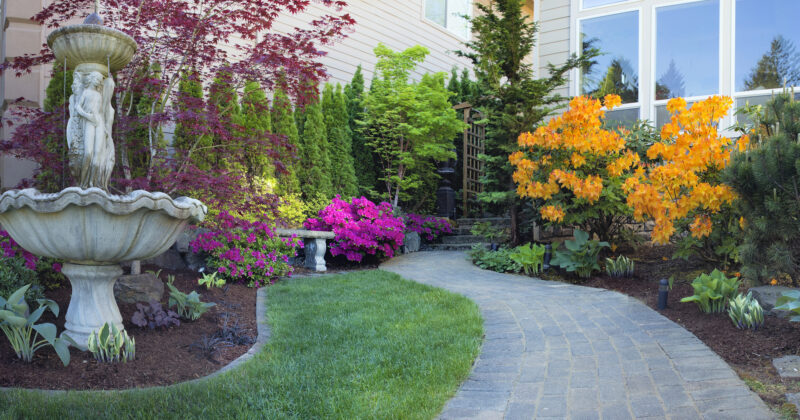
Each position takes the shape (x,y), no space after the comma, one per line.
(555,350)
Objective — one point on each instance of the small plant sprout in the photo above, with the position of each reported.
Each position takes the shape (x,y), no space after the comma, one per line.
(110,345)
(25,336)
(746,312)
(211,280)
(189,306)
(621,267)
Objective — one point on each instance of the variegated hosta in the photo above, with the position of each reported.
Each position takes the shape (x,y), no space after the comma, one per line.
(26,337)
(746,312)
(109,344)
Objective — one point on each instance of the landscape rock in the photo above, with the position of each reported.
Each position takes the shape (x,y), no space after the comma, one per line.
(787,366)
(194,261)
(188,235)
(171,259)
(138,288)
(411,242)
(768,295)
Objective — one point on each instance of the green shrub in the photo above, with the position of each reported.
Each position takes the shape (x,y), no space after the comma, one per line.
(746,312)
(766,179)
(713,291)
(499,260)
(19,326)
(14,274)
(579,255)
(489,232)
(189,306)
(530,257)
(110,345)
(621,267)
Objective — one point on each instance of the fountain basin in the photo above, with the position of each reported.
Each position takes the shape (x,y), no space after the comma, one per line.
(86,45)
(93,231)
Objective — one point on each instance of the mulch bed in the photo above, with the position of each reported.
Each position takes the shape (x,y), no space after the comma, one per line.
(750,353)
(163,356)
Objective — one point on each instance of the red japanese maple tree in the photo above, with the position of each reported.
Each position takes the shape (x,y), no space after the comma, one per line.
(180,39)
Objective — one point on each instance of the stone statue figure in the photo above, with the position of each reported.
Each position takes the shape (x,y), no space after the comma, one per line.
(75,127)
(90,139)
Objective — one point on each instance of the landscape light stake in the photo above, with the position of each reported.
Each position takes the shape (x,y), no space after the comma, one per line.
(548,253)
(663,293)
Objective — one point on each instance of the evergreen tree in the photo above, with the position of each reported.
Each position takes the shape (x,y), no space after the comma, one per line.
(190,96)
(223,97)
(454,86)
(300,120)
(671,83)
(282,119)
(363,158)
(316,181)
(511,98)
(781,64)
(766,179)
(257,124)
(54,177)
(343,176)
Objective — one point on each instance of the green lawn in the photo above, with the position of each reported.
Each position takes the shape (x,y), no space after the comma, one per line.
(362,345)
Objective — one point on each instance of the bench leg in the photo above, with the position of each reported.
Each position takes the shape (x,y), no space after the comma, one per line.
(315,254)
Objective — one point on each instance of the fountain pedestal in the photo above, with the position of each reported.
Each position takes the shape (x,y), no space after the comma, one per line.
(92,303)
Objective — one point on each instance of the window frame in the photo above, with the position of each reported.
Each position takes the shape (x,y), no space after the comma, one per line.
(424,18)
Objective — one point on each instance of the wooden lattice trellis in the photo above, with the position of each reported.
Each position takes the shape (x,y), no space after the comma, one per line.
(474,139)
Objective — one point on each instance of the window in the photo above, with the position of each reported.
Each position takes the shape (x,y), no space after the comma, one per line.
(588,4)
(767,38)
(687,50)
(616,70)
(450,15)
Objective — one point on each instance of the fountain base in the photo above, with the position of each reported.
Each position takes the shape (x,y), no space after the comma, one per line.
(92,303)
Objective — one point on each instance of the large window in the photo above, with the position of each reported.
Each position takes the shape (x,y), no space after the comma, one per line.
(745,49)
(616,69)
(450,15)
(687,50)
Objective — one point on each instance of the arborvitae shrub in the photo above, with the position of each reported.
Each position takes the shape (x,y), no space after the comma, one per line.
(339,142)
(316,180)
(283,124)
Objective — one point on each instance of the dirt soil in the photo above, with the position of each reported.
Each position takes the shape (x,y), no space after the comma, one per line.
(163,356)
(748,352)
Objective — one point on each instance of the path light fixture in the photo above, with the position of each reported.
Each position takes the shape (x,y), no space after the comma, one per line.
(663,294)
(548,253)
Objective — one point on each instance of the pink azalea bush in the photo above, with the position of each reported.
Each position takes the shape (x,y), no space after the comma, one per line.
(12,250)
(251,252)
(428,227)
(362,228)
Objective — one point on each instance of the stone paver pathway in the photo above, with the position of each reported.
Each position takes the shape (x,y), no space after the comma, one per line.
(555,350)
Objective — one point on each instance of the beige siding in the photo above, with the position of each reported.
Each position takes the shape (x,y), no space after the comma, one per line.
(398,24)
(554,35)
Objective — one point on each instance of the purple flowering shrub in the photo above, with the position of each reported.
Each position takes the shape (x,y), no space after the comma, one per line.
(428,227)
(19,267)
(251,252)
(362,228)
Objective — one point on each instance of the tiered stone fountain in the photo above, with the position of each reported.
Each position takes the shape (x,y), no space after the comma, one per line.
(85,225)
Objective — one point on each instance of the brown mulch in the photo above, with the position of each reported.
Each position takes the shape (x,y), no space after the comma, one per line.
(163,356)
(750,353)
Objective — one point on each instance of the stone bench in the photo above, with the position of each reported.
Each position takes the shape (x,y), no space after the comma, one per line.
(315,245)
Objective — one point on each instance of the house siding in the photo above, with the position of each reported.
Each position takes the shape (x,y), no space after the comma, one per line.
(554,37)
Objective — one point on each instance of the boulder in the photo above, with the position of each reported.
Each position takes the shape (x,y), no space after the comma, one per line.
(411,242)
(194,261)
(768,295)
(787,366)
(138,288)
(171,259)
(188,235)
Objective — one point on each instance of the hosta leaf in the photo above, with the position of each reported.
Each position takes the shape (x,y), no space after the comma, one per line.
(12,319)
(62,350)
(19,295)
(47,331)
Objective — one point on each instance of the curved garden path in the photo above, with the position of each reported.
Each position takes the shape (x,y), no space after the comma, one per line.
(554,350)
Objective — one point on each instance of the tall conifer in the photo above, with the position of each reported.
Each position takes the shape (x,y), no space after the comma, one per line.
(283,124)
(314,161)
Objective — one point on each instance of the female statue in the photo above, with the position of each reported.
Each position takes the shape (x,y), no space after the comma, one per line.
(90,107)
(75,127)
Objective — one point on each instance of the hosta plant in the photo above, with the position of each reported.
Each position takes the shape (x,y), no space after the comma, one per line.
(211,280)
(154,316)
(530,257)
(189,306)
(789,301)
(746,312)
(499,260)
(713,291)
(579,255)
(109,344)
(27,337)
(621,267)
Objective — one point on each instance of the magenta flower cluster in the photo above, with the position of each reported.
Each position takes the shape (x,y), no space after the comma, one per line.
(362,228)
(12,250)
(428,227)
(251,252)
